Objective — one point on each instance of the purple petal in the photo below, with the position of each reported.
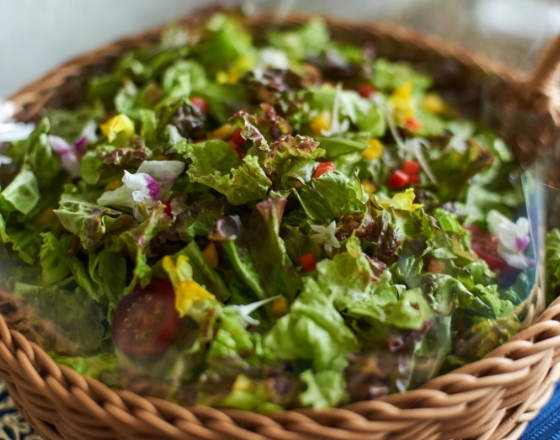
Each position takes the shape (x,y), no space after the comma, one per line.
(80,145)
(153,188)
(522,242)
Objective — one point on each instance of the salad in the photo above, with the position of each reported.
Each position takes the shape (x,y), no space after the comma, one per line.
(293,223)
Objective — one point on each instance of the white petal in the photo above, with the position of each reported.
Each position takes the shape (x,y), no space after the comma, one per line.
(274,58)
(121,197)
(165,172)
(89,131)
(318,238)
(516,260)
(318,228)
(5,160)
(14,131)
(7,110)
(503,228)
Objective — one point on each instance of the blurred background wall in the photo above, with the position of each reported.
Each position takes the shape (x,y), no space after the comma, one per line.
(38,35)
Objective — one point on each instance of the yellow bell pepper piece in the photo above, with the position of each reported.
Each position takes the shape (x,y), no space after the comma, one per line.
(401,101)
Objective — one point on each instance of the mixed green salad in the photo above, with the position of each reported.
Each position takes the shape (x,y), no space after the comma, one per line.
(293,223)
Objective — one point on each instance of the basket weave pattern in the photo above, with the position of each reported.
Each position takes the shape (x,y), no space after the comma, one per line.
(493,398)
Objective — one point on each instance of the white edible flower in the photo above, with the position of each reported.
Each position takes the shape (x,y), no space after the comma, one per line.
(246,310)
(5,160)
(513,239)
(67,154)
(12,131)
(337,127)
(87,136)
(326,236)
(274,58)
(148,185)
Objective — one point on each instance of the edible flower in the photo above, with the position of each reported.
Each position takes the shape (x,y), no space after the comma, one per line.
(326,236)
(67,154)
(116,125)
(12,131)
(148,185)
(513,239)
(187,291)
(403,201)
(401,102)
(246,310)
(86,136)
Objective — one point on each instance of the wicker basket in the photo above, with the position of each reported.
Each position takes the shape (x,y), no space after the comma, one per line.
(493,398)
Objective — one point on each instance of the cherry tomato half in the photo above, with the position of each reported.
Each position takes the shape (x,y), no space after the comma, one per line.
(146,321)
(323,168)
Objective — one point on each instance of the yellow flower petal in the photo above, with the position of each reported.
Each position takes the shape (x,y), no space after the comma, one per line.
(375,150)
(177,272)
(117,124)
(401,101)
(433,103)
(321,123)
(188,293)
(211,255)
(402,201)
(369,186)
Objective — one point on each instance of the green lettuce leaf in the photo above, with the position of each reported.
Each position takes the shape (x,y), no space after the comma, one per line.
(22,194)
(54,256)
(324,389)
(91,222)
(308,40)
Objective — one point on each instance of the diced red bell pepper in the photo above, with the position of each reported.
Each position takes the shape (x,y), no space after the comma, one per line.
(410,167)
(237,138)
(366,90)
(237,149)
(200,103)
(323,168)
(436,266)
(168,211)
(308,262)
(412,124)
(399,180)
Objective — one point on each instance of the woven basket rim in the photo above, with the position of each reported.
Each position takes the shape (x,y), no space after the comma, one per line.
(449,397)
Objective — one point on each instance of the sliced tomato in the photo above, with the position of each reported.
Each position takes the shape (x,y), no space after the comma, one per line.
(200,103)
(399,180)
(411,167)
(146,322)
(308,262)
(168,211)
(237,138)
(323,168)
(366,90)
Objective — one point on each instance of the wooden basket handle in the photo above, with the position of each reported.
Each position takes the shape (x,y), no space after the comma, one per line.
(545,79)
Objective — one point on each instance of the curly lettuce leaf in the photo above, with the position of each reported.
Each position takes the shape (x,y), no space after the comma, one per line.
(325,389)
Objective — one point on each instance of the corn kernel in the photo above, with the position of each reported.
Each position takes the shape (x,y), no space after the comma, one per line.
(47,217)
(211,255)
(223,132)
(375,149)
(159,157)
(433,103)
(280,306)
(369,186)
(113,185)
(321,123)
(242,383)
